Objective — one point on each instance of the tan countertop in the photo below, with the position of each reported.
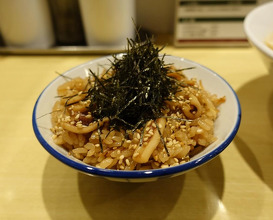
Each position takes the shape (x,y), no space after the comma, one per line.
(236,185)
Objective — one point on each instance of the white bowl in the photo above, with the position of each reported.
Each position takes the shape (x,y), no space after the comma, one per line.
(226,125)
(258,25)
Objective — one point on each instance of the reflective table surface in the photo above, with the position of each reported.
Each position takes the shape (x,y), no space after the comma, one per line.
(238,184)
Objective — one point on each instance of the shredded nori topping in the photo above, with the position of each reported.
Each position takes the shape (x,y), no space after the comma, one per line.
(134,89)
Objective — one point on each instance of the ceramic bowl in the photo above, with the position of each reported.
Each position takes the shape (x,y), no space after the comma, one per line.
(258,25)
(226,125)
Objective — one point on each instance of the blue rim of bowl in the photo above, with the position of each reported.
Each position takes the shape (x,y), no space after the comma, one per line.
(137,174)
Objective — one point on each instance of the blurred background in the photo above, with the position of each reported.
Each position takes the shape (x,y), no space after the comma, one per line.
(103,25)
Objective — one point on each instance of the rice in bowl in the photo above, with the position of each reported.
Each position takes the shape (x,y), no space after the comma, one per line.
(184,130)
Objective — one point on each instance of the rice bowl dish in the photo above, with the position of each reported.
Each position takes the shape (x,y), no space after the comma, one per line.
(226,125)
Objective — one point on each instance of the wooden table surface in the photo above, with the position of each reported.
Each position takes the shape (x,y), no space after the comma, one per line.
(238,184)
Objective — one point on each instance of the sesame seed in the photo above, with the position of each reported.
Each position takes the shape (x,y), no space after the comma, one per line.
(177,145)
(148,135)
(149,123)
(67,119)
(128,141)
(79,125)
(174,164)
(127,162)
